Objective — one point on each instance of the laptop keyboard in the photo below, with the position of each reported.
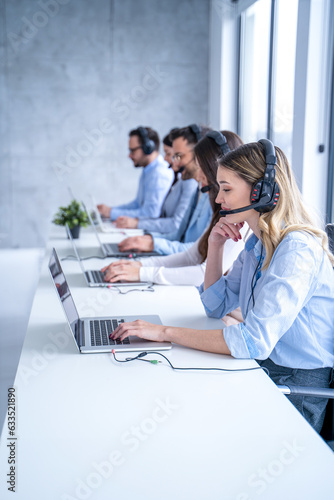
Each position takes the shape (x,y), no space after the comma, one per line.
(101,329)
(111,247)
(98,277)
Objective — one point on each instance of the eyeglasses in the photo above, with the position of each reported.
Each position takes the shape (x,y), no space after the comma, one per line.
(132,150)
(177,157)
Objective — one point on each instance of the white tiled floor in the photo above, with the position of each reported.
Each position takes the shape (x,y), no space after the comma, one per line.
(19,272)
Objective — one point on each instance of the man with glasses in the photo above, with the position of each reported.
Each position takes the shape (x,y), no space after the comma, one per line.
(155,181)
(176,202)
(199,213)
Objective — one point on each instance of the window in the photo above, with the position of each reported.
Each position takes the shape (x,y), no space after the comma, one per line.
(268,32)
(285,35)
(254,70)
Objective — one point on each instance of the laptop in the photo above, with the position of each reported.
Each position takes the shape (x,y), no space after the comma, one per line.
(111,249)
(104,224)
(95,278)
(91,335)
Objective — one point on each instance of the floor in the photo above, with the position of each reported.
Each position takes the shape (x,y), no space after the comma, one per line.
(19,271)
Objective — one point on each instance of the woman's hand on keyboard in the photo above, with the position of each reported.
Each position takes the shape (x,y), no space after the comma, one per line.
(141,329)
(122,270)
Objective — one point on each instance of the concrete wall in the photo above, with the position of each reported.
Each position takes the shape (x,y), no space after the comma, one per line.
(75,77)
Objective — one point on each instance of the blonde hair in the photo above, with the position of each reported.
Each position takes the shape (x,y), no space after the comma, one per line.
(290,213)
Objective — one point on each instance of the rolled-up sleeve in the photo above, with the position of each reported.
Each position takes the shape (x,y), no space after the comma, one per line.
(213,298)
(236,339)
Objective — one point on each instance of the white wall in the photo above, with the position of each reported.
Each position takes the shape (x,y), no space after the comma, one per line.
(75,77)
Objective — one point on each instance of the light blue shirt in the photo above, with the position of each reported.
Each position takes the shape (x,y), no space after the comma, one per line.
(173,209)
(292,321)
(154,184)
(200,219)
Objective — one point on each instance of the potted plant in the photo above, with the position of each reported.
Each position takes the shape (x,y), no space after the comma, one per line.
(73,215)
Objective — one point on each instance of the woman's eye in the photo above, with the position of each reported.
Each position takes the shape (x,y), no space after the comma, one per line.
(226,190)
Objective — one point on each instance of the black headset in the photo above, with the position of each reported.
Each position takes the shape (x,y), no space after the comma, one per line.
(147,145)
(197,130)
(265,191)
(220,140)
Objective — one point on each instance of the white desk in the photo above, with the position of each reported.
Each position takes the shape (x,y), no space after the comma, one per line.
(88,427)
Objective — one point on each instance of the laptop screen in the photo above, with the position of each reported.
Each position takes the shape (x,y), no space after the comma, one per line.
(63,290)
(92,223)
(74,248)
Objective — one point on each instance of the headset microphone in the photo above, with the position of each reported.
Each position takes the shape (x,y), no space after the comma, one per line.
(254,206)
(265,192)
(184,166)
(205,189)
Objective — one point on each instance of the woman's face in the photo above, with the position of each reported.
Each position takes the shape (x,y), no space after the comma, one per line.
(234,192)
(168,151)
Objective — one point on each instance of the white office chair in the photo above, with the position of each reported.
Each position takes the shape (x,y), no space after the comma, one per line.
(327,431)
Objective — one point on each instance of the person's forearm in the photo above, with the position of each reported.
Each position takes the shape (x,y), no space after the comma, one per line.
(203,340)
(214,265)
(189,275)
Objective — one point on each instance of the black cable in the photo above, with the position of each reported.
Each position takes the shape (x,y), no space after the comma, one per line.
(112,286)
(73,257)
(258,268)
(153,361)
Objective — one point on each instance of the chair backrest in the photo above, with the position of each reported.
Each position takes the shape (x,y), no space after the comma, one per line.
(327,431)
(330,233)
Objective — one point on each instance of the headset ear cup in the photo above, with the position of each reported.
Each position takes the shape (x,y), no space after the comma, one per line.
(256,191)
(149,147)
(272,202)
(276,195)
(197,130)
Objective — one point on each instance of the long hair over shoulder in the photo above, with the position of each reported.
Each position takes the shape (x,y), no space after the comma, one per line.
(208,153)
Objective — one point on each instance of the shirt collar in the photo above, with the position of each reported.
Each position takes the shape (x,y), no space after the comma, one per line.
(253,243)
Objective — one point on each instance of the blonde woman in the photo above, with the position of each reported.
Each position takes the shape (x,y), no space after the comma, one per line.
(283,280)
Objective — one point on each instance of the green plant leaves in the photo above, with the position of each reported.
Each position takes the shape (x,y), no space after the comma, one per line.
(73,215)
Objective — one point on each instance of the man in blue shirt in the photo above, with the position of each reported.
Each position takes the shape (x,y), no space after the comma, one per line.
(176,202)
(155,181)
(199,213)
